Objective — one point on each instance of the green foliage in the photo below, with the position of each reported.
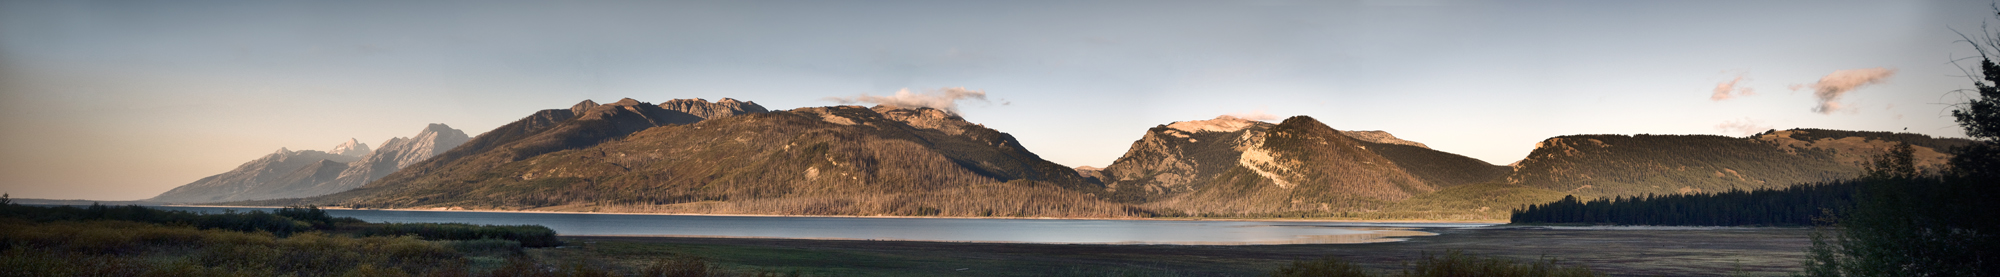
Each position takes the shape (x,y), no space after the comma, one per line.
(1905,224)
(252,221)
(1790,206)
(1908,224)
(526,235)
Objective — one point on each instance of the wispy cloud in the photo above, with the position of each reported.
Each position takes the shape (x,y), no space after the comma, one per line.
(1257,115)
(942,99)
(1742,127)
(1829,89)
(1731,89)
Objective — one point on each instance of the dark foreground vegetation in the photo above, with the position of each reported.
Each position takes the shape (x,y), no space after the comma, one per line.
(300,241)
(1452,263)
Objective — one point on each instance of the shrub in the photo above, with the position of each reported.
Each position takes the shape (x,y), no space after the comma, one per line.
(527,235)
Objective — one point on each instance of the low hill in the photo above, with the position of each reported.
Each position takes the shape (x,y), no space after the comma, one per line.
(1636,165)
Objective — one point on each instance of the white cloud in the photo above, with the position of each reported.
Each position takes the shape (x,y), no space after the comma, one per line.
(1257,115)
(1829,89)
(942,99)
(1723,90)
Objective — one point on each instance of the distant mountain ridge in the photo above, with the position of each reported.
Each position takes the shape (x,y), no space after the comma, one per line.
(307,173)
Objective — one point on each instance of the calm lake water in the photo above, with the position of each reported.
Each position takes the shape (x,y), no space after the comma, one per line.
(1207,232)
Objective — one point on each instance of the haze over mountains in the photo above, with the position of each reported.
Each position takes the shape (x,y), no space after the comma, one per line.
(737,157)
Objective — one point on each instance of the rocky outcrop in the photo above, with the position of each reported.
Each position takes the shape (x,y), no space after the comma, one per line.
(1229,166)
(1172,158)
(352,148)
(1232,165)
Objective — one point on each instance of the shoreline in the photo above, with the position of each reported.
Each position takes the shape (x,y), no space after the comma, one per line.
(892,216)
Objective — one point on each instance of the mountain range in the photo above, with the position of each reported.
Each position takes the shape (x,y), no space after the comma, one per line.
(307,173)
(737,157)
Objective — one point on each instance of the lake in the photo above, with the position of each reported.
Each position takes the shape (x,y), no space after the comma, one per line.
(1061,231)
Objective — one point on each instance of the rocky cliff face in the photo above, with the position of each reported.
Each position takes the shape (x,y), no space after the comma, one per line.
(1230,166)
(1633,165)
(352,148)
(1177,157)
(263,178)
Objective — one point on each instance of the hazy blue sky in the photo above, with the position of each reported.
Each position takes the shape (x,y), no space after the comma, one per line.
(118,100)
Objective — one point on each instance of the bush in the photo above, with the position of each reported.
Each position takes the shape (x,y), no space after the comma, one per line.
(527,235)
(231,220)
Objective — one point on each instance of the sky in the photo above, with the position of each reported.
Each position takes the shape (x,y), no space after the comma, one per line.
(122,100)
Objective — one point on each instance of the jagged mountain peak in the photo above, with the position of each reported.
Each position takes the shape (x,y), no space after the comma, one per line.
(580,107)
(439,128)
(351,148)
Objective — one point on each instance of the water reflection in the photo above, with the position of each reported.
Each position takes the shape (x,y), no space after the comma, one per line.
(925,229)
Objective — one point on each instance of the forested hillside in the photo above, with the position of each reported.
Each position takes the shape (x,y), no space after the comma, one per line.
(1593,166)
